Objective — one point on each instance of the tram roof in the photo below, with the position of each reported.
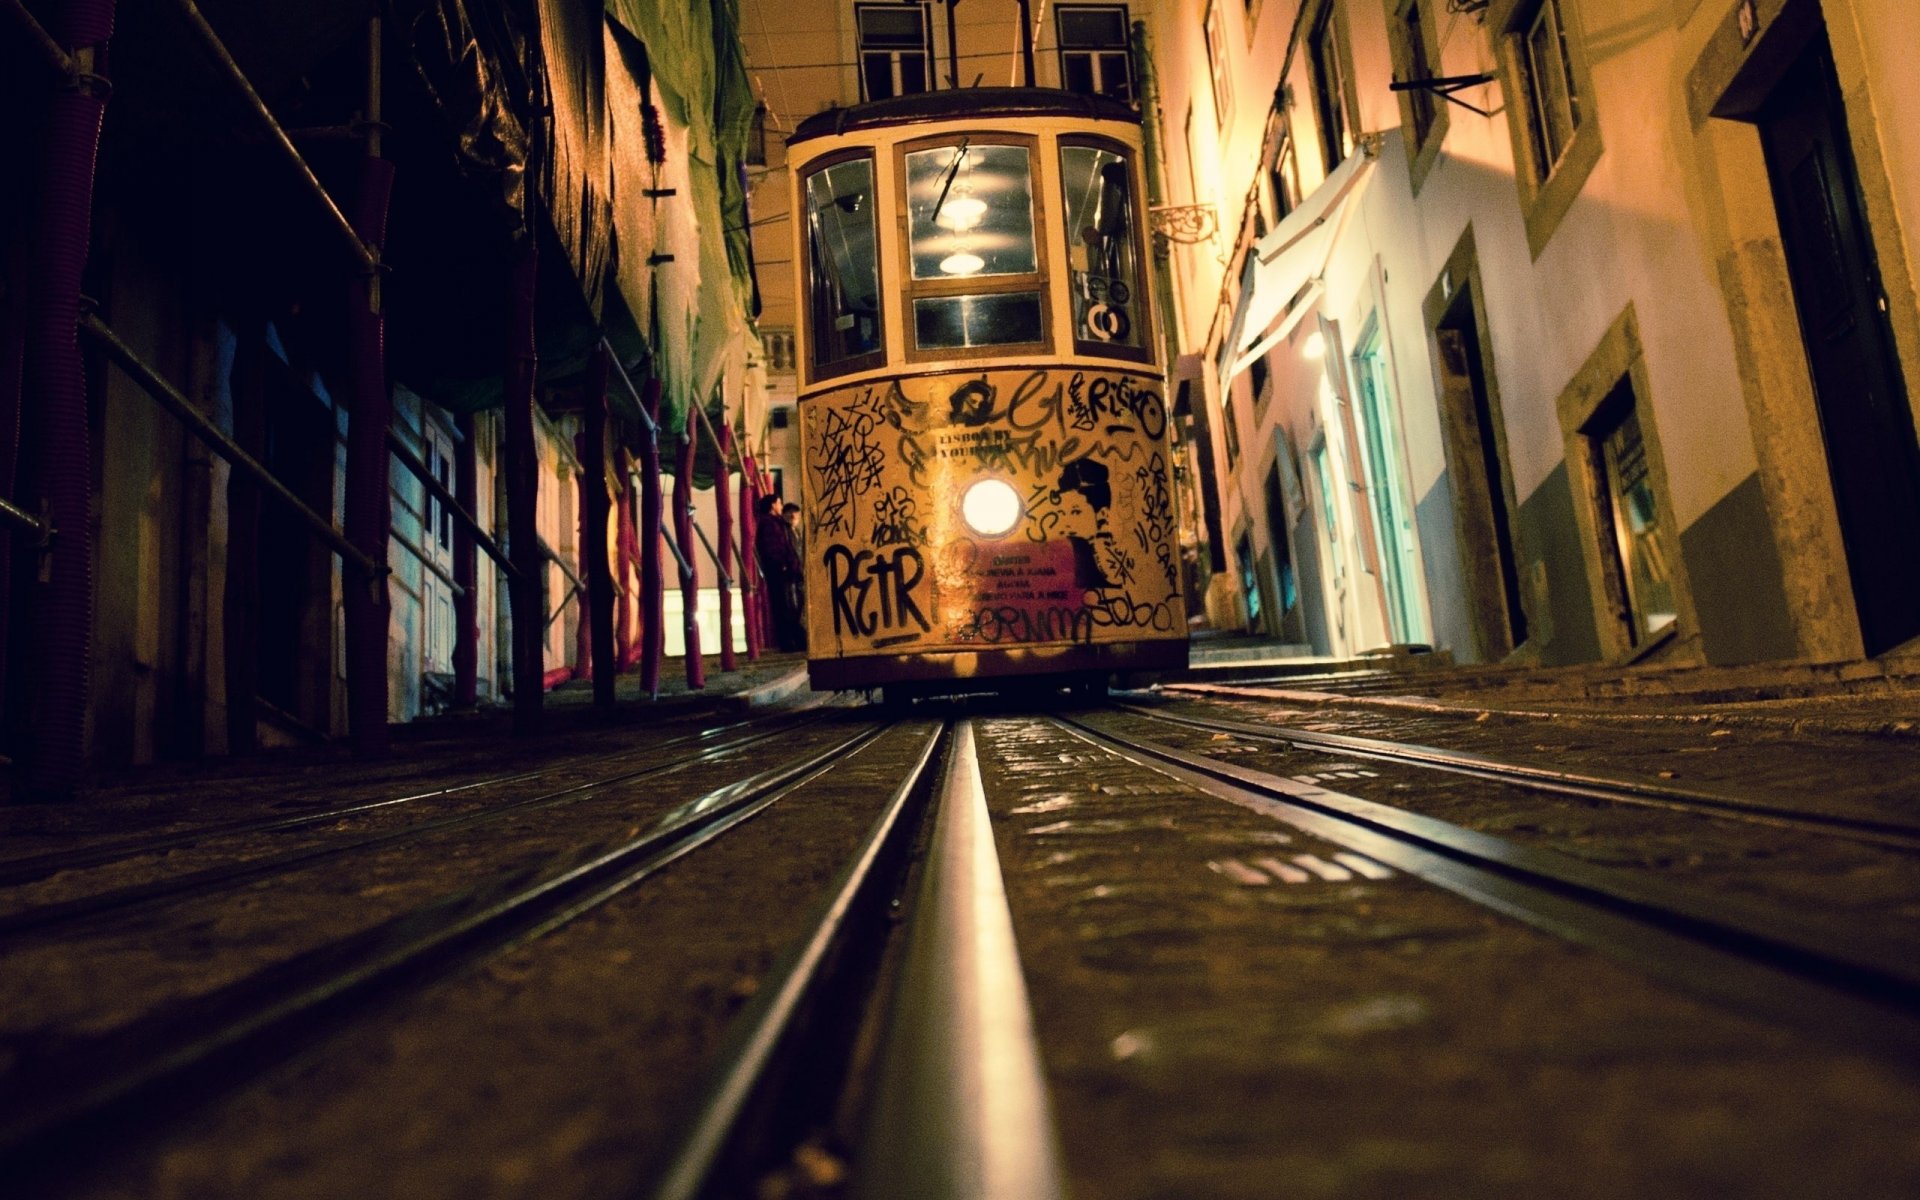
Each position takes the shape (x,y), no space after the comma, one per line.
(963,103)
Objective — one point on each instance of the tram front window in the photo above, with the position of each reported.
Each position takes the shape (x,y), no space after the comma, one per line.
(973,257)
(843,268)
(1102,251)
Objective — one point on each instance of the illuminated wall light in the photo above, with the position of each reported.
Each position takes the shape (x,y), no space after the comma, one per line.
(1316,345)
(962,263)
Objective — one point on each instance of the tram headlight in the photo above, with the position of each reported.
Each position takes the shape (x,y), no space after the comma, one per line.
(990,507)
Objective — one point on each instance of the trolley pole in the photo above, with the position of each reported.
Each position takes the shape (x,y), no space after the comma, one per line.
(953,47)
(1026,38)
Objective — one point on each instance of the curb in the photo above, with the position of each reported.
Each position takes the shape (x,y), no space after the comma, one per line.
(773,692)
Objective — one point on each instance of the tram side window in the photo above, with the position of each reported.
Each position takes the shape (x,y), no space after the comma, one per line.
(973,256)
(1103,253)
(843,268)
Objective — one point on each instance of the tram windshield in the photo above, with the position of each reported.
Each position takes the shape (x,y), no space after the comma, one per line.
(843,266)
(1102,252)
(970,218)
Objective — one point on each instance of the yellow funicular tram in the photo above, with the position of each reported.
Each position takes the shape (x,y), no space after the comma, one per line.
(987,487)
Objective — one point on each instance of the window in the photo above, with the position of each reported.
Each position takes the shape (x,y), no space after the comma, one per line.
(1553,101)
(1103,251)
(1249,576)
(1633,529)
(1327,66)
(1095,59)
(1329,508)
(1217,63)
(757,138)
(1419,65)
(973,251)
(1230,421)
(1280,167)
(1257,374)
(894,49)
(779,416)
(1551,118)
(439,516)
(843,270)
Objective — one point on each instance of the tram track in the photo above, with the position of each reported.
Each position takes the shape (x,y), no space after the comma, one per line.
(1584,785)
(1761,959)
(954,1030)
(30,868)
(62,1092)
(221,877)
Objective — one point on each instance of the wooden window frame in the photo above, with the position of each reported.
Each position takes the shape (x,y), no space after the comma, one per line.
(1423,149)
(860,49)
(1125,48)
(912,289)
(1331,18)
(803,306)
(1547,190)
(1143,353)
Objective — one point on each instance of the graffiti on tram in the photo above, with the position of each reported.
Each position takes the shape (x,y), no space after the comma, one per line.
(1090,558)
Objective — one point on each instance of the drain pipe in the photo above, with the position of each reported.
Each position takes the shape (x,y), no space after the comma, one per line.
(55,377)
(689,565)
(624,554)
(652,587)
(369,503)
(593,485)
(743,554)
(523,491)
(723,521)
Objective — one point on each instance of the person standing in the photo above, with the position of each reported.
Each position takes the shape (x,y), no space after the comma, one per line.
(780,563)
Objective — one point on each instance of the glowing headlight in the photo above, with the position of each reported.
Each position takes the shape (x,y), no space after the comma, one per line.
(990,507)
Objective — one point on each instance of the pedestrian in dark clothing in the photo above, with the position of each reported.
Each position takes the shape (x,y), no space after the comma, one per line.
(780,563)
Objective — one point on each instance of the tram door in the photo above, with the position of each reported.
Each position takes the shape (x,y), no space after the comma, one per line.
(1858,390)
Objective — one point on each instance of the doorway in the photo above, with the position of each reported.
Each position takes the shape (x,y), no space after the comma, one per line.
(1475,443)
(1392,515)
(1859,393)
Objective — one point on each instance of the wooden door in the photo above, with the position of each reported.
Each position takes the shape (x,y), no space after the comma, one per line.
(1859,392)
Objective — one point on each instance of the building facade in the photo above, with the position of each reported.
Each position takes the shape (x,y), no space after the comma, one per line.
(1594,341)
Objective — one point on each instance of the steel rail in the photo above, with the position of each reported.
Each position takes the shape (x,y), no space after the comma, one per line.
(439,491)
(15,871)
(55,1105)
(210,880)
(1866,990)
(1613,789)
(960,1108)
(768,1035)
(364,257)
(25,521)
(196,422)
(41,41)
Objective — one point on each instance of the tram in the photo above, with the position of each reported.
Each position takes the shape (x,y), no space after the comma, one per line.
(986,483)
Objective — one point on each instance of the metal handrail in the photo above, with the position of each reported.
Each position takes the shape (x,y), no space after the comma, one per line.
(25,521)
(43,42)
(411,461)
(199,426)
(367,259)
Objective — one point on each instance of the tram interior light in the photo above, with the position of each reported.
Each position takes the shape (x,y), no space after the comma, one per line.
(990,507)
(962,213)
(962,263)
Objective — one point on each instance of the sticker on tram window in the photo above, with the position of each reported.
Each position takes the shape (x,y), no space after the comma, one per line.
(1102,249)
(1108,322)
